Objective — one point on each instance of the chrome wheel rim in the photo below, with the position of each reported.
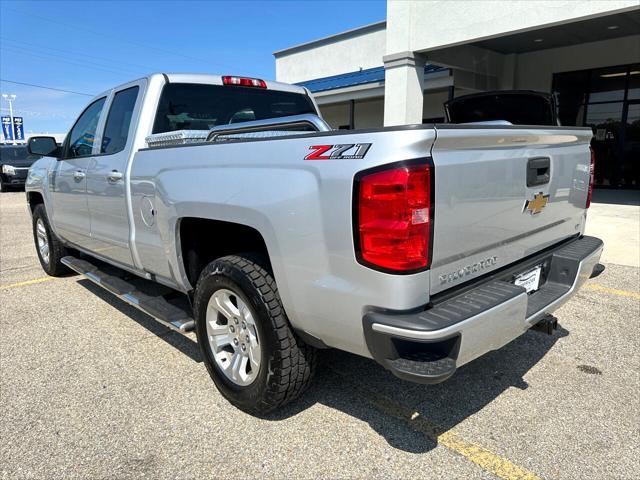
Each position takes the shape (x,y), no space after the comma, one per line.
(43,241)
(233,337)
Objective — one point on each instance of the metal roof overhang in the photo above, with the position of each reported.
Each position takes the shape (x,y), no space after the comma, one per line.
(366,84)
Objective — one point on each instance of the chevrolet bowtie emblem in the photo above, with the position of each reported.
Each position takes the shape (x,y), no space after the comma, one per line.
(536,205)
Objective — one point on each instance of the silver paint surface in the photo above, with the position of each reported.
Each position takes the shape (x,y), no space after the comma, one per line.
(303,209)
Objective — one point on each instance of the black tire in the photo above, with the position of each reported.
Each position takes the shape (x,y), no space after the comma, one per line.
(56,249)
(287,363)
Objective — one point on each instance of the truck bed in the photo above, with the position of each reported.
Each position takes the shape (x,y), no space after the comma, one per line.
(303,209)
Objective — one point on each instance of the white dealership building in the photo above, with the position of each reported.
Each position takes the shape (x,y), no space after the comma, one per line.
(402,70)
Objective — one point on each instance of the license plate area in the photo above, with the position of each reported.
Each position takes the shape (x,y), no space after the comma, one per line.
(530,279)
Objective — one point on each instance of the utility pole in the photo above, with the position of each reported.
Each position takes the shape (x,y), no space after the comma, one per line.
(10,98)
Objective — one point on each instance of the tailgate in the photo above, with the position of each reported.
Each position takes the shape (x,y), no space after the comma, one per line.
(502,194)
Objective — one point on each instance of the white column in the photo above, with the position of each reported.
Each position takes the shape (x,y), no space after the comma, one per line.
(403,88)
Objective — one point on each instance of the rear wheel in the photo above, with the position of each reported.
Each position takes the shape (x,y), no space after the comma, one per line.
(49,247)
(252,354)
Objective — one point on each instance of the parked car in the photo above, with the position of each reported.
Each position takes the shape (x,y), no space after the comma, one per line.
(519,107)
(15,161)
(227,205)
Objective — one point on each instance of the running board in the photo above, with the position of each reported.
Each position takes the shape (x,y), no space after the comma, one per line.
(156,306)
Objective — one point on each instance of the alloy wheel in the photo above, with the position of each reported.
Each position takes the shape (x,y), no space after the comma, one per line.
(43,241)
(233,337)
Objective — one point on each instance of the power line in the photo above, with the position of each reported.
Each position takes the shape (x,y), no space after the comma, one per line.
(75,54)
(19,50)
(112,36)
(78,63)
(46,88)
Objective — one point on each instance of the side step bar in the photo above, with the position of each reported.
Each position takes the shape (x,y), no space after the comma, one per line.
(156,306)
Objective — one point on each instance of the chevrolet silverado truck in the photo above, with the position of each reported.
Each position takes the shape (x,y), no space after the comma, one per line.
(226,205)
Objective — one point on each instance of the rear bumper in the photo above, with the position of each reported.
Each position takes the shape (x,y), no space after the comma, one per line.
(428,345)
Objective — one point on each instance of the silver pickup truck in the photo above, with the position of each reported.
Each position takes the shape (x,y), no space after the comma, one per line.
(226,205)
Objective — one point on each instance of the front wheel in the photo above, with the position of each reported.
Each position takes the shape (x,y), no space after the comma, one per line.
(49,247)
(252,354)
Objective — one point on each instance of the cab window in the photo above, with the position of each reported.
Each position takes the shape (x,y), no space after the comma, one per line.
(186,106)
(116,129)
(83,132)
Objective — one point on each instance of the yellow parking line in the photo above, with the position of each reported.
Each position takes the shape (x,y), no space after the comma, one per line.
(613,291)
(25,283)
(485,459)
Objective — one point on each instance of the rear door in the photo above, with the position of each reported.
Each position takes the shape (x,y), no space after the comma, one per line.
(69,182)
(502,194)
(106,177)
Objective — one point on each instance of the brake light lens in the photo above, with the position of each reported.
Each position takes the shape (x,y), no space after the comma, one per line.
(244,81)
(394,215)
(592,168)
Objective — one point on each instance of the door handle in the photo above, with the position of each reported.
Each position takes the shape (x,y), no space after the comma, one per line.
(114,176)
(78,175)
(538,171)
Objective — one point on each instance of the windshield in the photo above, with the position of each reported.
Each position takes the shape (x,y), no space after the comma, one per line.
(16,153)
(185,106)
(519,109)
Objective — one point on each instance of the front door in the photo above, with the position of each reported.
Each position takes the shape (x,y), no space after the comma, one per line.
(69,212)
(106,180)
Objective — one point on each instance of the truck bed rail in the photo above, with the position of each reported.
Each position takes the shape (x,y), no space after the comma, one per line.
(271,127)
(282,125)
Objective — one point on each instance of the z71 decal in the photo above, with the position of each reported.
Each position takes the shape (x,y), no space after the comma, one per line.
(346,151)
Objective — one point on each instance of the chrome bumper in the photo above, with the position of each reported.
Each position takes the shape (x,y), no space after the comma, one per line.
(483,318)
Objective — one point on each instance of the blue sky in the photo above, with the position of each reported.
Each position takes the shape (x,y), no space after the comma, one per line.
(88,47)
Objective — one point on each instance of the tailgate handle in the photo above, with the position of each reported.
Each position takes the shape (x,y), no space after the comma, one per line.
(538,171)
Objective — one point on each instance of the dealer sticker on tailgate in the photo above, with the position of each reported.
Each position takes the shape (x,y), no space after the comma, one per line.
(530,279)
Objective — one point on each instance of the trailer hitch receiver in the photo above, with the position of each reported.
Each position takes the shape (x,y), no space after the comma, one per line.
(547,325)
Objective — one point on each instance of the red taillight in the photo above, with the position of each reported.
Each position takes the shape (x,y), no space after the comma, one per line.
(244,81)
(592,168)
(394,215)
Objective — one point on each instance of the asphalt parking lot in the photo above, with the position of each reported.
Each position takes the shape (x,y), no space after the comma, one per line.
(92,388)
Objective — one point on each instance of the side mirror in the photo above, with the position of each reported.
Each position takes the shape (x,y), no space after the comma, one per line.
(45,146)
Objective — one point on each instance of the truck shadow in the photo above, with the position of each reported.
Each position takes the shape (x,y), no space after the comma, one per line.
(177,340)
(364,390)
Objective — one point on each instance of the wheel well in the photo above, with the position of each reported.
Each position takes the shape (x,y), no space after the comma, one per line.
(34,199)
(203,240)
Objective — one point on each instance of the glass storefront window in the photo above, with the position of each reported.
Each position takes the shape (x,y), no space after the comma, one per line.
(607,84)
(608,101)
(633,116)
(605,120)
(634,82)
(604,114)
(631,147)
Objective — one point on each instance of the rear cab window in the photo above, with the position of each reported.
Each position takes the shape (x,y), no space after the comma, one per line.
(116,129)
(186,106)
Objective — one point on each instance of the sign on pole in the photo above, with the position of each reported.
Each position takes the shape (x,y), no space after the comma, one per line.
(7,131)
(18,129)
